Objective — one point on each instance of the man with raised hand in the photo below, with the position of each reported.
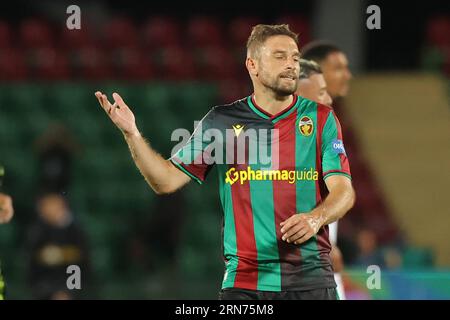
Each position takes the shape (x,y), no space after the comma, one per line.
(275,235)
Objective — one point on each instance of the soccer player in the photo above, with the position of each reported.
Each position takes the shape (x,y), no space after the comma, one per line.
(334,65)
(312,86)
(311,83)
(275,220)
(6,213)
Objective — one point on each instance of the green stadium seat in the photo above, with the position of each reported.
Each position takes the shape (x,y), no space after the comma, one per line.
(11,132)
(194,98)
(25,99)
(67,99)
(86,130)
(20,166)
(107,188)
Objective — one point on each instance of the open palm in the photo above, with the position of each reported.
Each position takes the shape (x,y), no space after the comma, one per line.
(119,113)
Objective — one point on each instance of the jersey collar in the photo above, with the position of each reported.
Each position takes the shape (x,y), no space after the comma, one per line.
(276,117)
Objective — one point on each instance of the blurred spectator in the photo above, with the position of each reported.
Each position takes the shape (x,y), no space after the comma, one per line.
(367,248)
(334,65)
(392,258)
(55,241)
(55,149)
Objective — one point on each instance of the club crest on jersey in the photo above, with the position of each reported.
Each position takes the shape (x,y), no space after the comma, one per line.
(306,126)
(237,129)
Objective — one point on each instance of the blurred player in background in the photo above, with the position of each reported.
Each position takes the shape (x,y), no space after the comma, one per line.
(6,213)
(312,85)
(275,231)
(334,65)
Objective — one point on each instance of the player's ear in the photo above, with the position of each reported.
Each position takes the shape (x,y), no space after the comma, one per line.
(252,66)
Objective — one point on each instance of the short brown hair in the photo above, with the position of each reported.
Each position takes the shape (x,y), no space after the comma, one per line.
(309,68)
(262,32)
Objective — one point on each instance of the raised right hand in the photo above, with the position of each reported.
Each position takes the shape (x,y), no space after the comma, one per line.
(119,113)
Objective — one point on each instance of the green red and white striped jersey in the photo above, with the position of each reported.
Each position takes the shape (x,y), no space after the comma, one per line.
(304,147)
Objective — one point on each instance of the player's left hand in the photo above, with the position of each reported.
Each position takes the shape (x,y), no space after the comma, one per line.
(300,227)
(6,208)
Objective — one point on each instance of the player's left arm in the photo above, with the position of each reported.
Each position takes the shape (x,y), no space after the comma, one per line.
(338,202)
(341,198)
(336,174)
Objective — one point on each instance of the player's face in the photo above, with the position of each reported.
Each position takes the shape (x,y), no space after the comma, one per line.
(337,74)
(278,65)
(314,88)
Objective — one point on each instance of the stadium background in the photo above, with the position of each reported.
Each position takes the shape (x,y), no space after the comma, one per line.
(171,65)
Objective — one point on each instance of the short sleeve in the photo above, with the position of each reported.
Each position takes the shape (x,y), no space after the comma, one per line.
(194,158)
(334,157)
